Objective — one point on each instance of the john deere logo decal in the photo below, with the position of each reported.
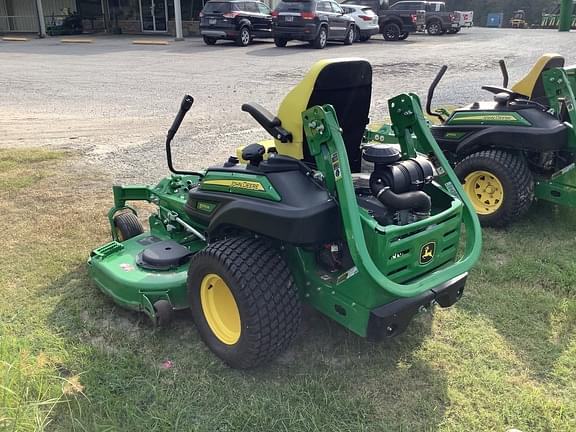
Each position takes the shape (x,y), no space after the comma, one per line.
(427,253)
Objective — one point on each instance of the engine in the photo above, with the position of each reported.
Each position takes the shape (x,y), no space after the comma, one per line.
(394,193)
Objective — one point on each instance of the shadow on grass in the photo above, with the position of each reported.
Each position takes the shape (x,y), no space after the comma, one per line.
(329,380)
(536,311)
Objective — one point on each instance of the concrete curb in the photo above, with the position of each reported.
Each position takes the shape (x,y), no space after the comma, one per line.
(15,39)
(79,41)
(150,42)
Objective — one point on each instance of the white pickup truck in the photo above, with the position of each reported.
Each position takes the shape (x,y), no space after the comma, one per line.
(465,18)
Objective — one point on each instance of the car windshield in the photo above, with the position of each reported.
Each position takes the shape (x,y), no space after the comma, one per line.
(294,6)
(218,7)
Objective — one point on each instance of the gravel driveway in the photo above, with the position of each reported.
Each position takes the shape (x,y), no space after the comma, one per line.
(113,101)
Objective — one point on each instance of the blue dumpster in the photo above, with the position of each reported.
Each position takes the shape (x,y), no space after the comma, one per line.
(495,19)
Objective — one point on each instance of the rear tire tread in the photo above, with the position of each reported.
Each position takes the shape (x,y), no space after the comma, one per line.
(265,293)
(507,167)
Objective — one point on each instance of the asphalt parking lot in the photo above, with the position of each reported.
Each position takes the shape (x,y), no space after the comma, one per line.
(113,101)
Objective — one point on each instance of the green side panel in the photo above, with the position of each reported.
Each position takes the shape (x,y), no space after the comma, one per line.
(560,88)
(560,189)
(487,118)
(113,268)
(253,185)
(566,7)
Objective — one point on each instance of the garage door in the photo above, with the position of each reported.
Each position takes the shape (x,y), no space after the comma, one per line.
(18,16)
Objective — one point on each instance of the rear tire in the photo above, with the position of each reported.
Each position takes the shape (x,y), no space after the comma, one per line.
(391,32)
(434,28)
(403,36)
(280,43)
(243,300)
(127,226)
(350,36)
(483,173)
(209,40)
(244,37)
(321,39)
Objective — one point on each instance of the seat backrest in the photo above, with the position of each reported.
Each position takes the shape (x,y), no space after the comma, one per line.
(346,84)
(531,85)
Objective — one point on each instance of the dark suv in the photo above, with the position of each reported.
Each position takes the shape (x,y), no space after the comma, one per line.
(315,21)
(240,21)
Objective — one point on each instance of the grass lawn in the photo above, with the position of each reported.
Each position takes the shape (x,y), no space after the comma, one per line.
(504,357)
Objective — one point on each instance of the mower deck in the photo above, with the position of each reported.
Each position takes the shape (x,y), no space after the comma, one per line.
(115,270)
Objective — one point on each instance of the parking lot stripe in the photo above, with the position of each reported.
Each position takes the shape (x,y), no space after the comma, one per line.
(150,42)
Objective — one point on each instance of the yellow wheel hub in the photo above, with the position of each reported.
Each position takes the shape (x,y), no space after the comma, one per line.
(220,309)
(485,191)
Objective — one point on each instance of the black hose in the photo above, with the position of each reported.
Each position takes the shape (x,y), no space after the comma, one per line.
(418,201)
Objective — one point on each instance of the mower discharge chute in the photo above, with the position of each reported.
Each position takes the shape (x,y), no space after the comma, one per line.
(243,245)
(515,148)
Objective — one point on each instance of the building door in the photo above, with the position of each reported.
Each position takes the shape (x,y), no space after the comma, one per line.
(154,15)
(18,16)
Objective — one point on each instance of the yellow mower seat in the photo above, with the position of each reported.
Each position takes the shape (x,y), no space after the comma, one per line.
(346,84)
(531,85)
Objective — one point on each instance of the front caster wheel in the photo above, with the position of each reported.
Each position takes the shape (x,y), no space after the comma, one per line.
(164,313)
(243,300)
(127,226)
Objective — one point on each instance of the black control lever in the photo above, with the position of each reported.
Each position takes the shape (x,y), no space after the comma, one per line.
(268,121)
(431,90)
(504,73)
(184,108)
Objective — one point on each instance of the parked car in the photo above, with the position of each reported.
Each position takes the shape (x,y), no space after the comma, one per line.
(366,20)
(438,20)
(313,21)
(240,21)
(394,24)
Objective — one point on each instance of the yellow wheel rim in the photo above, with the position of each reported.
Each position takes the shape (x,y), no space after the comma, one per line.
(220,309)
(485,191)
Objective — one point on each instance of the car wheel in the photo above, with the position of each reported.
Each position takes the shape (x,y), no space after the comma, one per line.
(350,36)
(209,40)
(434,28)
(403,36)
(280,43)
(321,39)
(243,38)
(391,32)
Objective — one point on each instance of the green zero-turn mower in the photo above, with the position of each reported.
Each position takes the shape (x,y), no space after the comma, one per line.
(244,245)
(515,148)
